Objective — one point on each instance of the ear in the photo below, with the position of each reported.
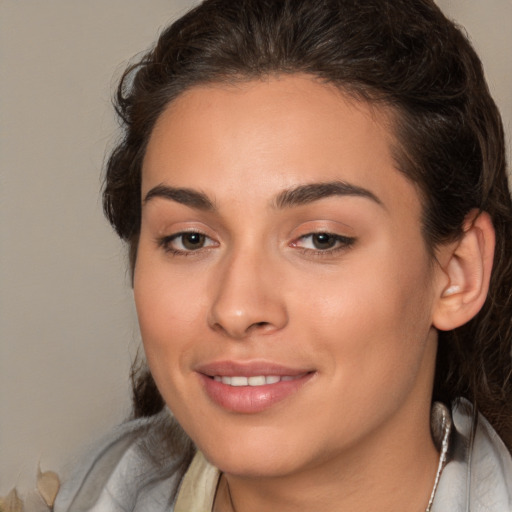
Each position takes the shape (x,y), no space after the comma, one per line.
(465,273)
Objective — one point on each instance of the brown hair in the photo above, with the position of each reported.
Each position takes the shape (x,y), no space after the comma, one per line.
(400,53)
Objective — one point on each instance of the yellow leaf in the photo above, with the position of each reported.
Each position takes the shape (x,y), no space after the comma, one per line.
(11,503)
(48,484)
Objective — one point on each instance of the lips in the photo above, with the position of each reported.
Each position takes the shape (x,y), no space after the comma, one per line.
(250,388)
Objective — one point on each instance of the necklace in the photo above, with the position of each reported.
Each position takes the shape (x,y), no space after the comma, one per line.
(441,426)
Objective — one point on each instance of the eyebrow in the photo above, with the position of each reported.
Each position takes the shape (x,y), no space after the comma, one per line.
(311,192)
(303,194)
(185,196)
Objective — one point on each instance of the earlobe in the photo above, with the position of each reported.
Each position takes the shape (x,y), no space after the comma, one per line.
(466,268)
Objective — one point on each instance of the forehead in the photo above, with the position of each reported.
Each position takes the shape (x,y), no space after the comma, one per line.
(265,134)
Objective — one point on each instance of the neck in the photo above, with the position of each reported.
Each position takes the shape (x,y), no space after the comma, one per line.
(392,470)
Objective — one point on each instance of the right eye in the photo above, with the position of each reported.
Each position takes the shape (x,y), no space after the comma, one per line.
(186,242)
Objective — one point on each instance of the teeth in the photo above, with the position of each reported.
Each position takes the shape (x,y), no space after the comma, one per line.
(259,380)
(238,381)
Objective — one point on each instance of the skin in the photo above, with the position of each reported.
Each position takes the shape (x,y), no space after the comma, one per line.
(358,316)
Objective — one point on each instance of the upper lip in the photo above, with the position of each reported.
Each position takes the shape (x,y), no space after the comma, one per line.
(248,369)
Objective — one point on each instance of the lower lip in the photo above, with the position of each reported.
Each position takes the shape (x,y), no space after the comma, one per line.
(251,399)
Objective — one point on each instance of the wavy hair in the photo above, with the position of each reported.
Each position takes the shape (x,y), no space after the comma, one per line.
(403,54)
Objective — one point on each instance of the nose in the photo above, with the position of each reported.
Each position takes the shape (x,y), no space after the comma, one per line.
(247,297)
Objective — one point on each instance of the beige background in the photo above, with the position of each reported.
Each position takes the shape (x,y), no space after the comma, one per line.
(68,330)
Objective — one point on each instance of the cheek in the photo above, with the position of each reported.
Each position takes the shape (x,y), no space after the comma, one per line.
(373,319)
(168,308)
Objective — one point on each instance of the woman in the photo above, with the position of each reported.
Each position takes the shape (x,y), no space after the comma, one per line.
(316,203)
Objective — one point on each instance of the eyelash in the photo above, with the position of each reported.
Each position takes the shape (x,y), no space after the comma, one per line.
(166,241)
(341,243)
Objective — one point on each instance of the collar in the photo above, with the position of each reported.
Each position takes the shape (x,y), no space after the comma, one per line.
(197,490)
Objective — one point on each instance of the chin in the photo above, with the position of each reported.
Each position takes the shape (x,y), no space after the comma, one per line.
(249,465)
(256,454)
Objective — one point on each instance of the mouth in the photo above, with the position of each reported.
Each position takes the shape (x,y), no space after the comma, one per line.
(249,388)
(255,381)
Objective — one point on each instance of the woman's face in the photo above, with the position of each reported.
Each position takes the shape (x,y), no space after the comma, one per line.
(283,288)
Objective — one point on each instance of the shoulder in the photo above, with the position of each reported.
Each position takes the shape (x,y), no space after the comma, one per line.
(138,467)
(478,477)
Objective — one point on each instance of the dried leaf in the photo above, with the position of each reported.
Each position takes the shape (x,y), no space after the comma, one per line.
(11,503)
(48,484)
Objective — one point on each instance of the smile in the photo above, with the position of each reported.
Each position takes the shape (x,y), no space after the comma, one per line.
(258,380)
(251,387)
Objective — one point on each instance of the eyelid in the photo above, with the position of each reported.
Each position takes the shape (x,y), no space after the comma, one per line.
(165,242)
(342,243)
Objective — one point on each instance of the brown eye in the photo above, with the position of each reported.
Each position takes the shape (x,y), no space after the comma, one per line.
(323,241)
(186,242)
(192,241)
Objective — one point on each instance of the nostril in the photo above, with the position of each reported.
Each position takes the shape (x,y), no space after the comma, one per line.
(262,326)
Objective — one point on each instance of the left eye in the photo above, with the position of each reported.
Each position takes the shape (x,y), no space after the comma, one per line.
(323,241)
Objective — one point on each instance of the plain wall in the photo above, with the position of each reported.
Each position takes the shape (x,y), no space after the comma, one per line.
(68,329)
